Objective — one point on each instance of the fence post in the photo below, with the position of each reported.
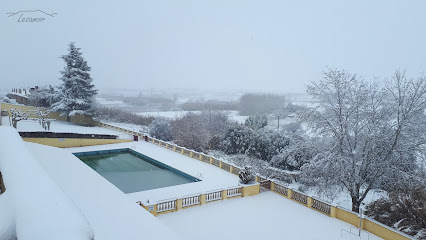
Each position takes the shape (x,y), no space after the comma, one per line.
(289,192)
(174,148)
(332,211)
(179,204)
(220,164)
(224,194)
(309,202)
(182,151)
(257,178)
(200,157)
(272,186)
(191,153)
(211,160)
(167,146)
(203,199)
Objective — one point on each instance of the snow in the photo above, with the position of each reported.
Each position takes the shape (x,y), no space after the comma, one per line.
(109,211)
(167,114)
(42,209)
(7,217)
(62,126)
(233,115)
(128,126)
(212,177)
(264,216)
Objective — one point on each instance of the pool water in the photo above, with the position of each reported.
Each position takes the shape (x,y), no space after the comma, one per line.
(131,171)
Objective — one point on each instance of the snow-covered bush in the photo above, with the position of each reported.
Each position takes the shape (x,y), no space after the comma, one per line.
(256,122)
(295,155)
(160,128)
(404,211)
(237,140)
(246,175)
(118,115)
(190,131)
(262,144)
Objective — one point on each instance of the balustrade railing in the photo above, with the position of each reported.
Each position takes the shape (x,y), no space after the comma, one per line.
(321,206)
(280,189)
(166,206)
(191,200)
(216,162)
(213,196)
(234,192)
(299,197)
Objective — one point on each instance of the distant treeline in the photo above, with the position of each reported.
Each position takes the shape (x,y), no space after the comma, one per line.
(210,105)
(118,115)
(258,104)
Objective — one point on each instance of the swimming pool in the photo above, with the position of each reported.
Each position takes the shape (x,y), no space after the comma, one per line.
(131,171)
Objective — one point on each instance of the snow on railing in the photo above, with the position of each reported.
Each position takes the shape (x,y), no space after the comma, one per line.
(205,158)
(178,149)
(166,206)
(215,162)
(191,200)
(232,192)
(321,206)
(281,189)
(226,166)
(213,196)
(186,152)
(235,170)
(299,197)
(196,155)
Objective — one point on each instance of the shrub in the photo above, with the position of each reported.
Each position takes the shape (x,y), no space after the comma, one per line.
(246,175)
(160,128)
(404,211)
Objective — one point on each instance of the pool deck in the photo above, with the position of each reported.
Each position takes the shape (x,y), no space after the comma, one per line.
(212,178)
(110,212)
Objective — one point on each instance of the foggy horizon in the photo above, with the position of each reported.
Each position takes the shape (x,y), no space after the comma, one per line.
(247,46)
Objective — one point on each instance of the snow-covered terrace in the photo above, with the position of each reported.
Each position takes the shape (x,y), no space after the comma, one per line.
(115,215)
(53,195)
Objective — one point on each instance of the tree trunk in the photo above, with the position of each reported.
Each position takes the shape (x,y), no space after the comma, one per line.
(68,118)
(355,204)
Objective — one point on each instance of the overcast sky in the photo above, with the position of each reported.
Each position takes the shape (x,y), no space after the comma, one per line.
(248,45)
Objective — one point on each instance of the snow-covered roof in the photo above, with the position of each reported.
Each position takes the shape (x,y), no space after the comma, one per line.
(42,210)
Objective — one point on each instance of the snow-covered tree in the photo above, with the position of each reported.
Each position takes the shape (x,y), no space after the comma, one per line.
(77,91)
(369,133)
(190,131)
(256,122)
(160,128)
(299,152)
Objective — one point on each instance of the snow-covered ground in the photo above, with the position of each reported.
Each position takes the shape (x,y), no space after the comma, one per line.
(110,212)
(62,127)
(264,216)
(128,126)
(233,115)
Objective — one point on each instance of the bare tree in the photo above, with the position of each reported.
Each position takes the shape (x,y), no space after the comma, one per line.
(369,134)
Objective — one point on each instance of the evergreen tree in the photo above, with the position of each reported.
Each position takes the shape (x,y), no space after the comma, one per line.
(77,90)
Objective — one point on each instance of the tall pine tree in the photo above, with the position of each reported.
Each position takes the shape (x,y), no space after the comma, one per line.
(77,91)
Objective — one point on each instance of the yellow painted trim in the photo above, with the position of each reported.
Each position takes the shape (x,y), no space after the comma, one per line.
(73,142)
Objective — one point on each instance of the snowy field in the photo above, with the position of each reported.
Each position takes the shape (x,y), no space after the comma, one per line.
(264,216)
(233,115)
